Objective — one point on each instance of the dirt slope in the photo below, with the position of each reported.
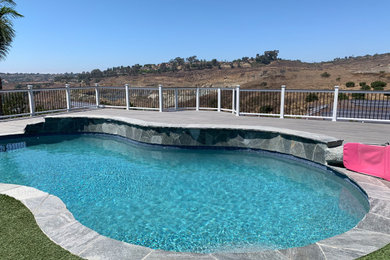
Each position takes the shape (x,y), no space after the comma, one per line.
(293,74)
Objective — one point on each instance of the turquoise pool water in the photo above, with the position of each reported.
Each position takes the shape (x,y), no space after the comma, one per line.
(198,200)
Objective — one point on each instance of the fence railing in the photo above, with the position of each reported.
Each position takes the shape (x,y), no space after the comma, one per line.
(317,104)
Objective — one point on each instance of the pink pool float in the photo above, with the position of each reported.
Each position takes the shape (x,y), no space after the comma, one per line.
(369,159)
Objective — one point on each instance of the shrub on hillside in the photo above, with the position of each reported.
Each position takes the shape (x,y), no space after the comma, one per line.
(365,87)
(342,96)
(350,84)
(16,103)
(362,84)
(378,85)
(266,109)
(325,75)
(311,97)
(359,96)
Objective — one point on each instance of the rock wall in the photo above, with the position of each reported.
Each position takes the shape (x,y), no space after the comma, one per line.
(207,137)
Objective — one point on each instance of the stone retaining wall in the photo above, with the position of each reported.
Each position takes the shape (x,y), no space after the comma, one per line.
(300,146)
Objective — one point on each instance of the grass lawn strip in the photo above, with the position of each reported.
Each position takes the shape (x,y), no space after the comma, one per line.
(21,237)
(383,253)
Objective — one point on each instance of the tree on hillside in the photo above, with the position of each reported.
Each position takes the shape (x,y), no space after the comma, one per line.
(96,73)
(214,62)
(192,59)
(271,55)
(7,32)
(179,61)
(136,69)
(267,57)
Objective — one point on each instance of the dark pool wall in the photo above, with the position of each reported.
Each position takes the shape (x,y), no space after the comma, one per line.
(272,141)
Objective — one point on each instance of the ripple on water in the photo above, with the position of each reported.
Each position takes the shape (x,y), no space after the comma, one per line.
(198,200)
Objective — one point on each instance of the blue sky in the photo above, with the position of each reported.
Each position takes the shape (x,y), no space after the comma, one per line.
(80,35)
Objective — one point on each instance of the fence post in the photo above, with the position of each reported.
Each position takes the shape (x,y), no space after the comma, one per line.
(127,97)
(176,99)
(97,95)
(233,100)
(31,100)
(219,99)
(238,100)
(335,103)
(160,97)
(68,102)
(197,99)
(282,98)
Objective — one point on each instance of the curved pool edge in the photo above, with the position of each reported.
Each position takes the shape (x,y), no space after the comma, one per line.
(372,233)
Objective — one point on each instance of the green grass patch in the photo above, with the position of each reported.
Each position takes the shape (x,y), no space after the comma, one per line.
(381,254)
(20,236)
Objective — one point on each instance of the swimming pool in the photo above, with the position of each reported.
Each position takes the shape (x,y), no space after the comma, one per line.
(197,200)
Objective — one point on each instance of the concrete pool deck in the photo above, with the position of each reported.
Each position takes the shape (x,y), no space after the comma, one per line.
(368,133)
(372,233)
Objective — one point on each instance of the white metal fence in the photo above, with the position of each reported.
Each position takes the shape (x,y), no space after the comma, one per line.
(316,104)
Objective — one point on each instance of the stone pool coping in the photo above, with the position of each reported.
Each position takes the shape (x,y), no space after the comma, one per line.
(318,148)
(328,140)
(52,216)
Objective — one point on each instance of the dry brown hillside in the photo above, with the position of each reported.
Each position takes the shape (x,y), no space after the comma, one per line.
(293,74)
